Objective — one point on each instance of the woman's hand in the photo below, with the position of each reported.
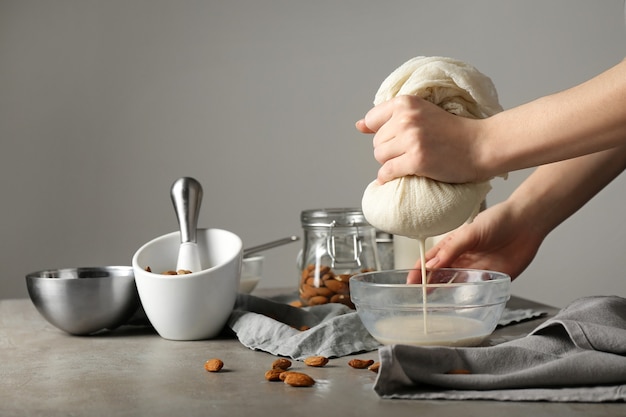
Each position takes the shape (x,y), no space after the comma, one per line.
(416,137)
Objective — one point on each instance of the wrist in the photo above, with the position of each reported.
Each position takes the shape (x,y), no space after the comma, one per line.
(489,155)
(530,208)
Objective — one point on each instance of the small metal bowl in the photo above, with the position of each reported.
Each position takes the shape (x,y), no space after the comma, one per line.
(83,301)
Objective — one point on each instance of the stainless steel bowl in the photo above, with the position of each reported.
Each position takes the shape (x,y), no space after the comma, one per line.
(83,301)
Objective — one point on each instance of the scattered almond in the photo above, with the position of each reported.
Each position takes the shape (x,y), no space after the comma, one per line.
(374,367)
(274,374)
(360,363)
(316,361)
(283,375)
(214,365)
(281,363)
(298,379)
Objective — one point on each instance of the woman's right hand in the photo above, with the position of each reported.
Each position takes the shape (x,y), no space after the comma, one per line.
(415,137)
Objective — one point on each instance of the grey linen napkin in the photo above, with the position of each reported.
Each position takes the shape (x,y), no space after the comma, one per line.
(577,356)
(334,330)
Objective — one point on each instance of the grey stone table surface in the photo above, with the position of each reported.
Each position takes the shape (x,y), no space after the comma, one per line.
(132,371)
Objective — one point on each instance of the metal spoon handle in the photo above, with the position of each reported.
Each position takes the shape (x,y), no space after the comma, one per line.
(269,245)
(186,196)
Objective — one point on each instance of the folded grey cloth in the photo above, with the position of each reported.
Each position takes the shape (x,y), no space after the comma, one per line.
(333,330)
(577,356)
(510,316)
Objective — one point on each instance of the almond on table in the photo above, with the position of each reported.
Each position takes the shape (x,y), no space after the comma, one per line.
(214,365)
(274,374)
(281,363)
(374,367)
(297,379)
(316,361)
(361,363)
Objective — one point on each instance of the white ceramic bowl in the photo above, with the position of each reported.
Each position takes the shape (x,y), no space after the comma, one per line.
(251,273)
(194,306)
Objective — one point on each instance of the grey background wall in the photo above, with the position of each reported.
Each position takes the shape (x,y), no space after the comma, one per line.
(103,104)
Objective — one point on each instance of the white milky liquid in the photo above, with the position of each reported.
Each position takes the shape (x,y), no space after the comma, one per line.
(422,243)
(443,330)
(405,257)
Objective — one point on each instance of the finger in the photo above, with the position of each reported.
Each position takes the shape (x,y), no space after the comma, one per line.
(386,173)
(414,276)
(386,146)
(392,168)
(431,260)
(362,127)
(450,249)
(378,116)
(385,134)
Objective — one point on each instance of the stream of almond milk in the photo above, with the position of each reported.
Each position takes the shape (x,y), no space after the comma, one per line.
(422,243)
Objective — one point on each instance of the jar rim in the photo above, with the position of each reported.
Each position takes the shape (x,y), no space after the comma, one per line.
(337,217)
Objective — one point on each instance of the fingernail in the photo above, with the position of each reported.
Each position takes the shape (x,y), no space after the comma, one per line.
(432,262)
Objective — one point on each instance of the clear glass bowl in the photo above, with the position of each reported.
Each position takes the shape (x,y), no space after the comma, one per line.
(457,307)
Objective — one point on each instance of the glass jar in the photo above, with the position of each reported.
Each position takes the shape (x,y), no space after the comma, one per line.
(337,244)
(384,246)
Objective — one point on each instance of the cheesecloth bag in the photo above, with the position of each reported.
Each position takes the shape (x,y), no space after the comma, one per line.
(419,207)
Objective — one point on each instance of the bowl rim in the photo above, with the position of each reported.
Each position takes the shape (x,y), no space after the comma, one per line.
(75,270)
(253,258)
(358,279)
(135,263)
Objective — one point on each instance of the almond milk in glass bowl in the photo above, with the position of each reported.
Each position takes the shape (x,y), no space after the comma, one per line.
(457,307)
